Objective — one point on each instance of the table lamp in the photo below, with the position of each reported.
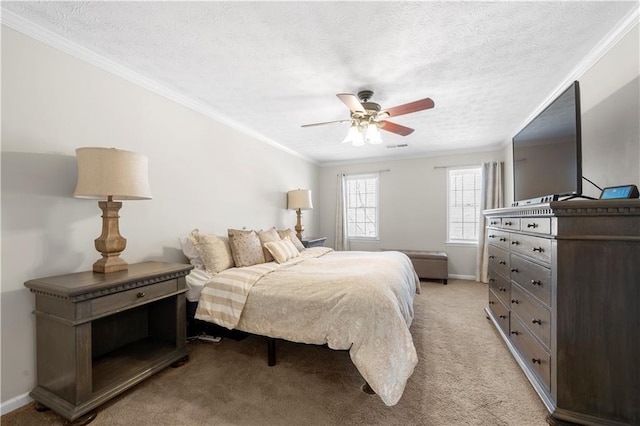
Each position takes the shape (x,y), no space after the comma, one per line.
(299,199)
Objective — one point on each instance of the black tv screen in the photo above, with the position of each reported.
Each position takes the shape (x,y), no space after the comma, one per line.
(546,152)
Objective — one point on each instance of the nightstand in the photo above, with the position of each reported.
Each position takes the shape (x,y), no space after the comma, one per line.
(97,334)
(309,242)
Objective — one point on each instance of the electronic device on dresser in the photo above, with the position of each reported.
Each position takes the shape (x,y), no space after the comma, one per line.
(547,162)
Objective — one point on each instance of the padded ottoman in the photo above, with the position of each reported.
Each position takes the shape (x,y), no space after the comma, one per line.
(429,264)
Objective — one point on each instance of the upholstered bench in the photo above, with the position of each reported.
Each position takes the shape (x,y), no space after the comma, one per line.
(429,264)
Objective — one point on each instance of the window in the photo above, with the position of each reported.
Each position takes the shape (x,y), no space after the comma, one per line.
(362,206)
(463,208)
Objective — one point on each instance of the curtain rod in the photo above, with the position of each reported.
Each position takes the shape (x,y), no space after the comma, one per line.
(457,165)
(365,173)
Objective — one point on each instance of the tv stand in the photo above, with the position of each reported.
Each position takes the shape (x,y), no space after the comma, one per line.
(563,295)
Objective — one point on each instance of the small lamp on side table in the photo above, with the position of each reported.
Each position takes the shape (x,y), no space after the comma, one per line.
(299,199)
(109,173)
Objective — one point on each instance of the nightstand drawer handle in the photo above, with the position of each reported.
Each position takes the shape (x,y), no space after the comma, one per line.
(140,295)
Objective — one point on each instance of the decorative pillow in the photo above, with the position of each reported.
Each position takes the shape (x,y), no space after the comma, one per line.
(282,250)
(190,252)
(245,247)
(265,237)
(214,251)
(284,233)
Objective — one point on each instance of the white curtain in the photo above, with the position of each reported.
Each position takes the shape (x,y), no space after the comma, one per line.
(491,197)
(341,240)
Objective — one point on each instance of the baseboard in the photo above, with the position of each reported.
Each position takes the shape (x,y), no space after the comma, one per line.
(14,403)
(462,277)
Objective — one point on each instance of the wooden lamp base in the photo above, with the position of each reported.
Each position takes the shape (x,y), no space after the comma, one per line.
(110,243)
(299,227)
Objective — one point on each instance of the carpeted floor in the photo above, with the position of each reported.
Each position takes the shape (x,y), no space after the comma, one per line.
(465,376)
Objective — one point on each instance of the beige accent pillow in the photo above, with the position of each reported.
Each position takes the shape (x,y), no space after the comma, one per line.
(284,233)
(214,251)
(265,237)
(245,247)
(282,250)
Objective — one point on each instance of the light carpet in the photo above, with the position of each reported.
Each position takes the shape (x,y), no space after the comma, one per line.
(465,376)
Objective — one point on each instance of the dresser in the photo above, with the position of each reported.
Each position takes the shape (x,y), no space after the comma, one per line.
(99,334)
(564,295)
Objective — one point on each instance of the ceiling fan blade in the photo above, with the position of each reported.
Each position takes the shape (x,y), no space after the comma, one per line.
(351,101)
(420,105)
(326,122)
(395,128)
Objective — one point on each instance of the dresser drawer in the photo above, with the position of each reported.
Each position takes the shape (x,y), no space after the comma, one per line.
(534,315)
(495,221)
(534,278)
(534,247)
(511,223)
(501,286)
(539,225)
(499,260)
(500,312)
(128,298)
(498,238)
(531,350)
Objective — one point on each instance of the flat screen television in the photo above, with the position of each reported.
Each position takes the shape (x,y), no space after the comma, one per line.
(547,162)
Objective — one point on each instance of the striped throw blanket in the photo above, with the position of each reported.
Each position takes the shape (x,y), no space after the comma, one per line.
(224,297)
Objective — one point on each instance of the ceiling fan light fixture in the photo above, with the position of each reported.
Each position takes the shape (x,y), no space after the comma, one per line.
(354,136)
(372,134)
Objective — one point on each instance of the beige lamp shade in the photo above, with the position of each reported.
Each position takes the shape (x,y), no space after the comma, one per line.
(104,172)
(299,199)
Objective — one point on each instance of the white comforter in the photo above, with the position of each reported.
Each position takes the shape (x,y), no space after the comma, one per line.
(356,301)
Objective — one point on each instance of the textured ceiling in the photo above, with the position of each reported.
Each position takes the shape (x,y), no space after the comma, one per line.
(272,66)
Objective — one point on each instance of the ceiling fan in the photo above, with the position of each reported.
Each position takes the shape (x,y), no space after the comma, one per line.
(367,118)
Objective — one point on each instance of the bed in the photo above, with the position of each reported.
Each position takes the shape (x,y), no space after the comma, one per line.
(356,301)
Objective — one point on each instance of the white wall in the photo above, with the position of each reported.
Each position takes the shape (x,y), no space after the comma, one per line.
(413,206)
(203,174)
(610,100)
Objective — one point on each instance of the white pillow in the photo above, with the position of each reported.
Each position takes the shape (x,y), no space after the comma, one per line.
(190,252)
(282,250)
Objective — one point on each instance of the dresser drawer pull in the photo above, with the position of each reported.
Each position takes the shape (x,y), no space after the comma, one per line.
(532,225)
(503,316)
(515,333)
(515,301)
(515,243)
(536,321)
(492,236)
(540,249)
(491,256)
(508,223)
(140,295)
(503,289)
(493,222)
(491,302)
(503,239)
(536,360)
(502,262)
(514,270)
(536,282)
(491,280)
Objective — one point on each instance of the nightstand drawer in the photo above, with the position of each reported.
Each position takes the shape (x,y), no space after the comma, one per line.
(128,298)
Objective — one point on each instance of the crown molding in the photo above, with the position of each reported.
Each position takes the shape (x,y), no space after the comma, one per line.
(26,27)
(626,24)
